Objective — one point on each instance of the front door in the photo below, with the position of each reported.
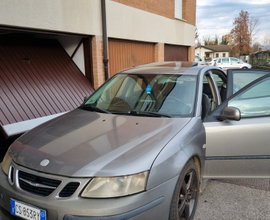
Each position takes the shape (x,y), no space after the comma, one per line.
(225,63)
(236,64)
(241,149)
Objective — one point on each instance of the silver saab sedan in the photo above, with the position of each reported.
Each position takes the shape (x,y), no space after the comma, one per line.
(140,146)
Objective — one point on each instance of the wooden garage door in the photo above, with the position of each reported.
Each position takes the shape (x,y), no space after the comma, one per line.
(37,80)
(175,53)
(125,54)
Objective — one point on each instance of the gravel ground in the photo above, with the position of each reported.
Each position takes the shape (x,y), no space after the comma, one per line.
(234,199)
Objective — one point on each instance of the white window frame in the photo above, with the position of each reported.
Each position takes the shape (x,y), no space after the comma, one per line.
(178,9)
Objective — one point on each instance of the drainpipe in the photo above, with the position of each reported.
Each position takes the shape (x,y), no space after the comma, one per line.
(105,39)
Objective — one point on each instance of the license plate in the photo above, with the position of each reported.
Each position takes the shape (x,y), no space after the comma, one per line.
(26,211)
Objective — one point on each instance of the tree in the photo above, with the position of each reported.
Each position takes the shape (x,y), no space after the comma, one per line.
(253,27)
(208,41)
(197,40)
(255,47)
(241,34)
(216,40)
(266,39)
(227,40)
(196,33)
(224,40)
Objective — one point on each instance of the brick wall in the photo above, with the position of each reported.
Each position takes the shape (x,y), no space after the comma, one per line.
(159,52)
(189,11)
(97,56)
(191,54)
(160,7)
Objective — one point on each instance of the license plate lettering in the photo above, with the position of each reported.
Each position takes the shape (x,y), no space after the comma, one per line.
(26,211)
(18,209)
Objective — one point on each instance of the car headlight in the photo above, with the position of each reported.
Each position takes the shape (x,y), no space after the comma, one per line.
(6,163)
(108,187)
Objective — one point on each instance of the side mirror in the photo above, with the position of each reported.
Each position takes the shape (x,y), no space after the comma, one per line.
(85,98)
(230,113)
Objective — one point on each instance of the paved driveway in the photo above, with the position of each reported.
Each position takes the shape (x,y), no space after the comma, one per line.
(235,199)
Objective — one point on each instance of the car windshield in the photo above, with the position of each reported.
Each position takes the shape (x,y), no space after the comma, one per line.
(197,58)
(155,95)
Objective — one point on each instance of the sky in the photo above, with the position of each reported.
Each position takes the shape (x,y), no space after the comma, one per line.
(216,17)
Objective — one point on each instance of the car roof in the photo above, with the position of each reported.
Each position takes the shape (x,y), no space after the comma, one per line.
(169,67)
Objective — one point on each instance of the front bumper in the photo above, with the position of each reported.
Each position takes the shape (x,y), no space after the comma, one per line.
(151,204)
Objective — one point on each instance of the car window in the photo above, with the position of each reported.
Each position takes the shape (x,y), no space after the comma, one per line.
(233,60)
(225,60)
(242,78)
(208,89)
(255,101)
(218,80)
(197,58)
(218,61)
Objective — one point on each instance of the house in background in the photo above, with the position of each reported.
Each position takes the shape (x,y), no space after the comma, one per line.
(213,51)
(55,52)
(260,58)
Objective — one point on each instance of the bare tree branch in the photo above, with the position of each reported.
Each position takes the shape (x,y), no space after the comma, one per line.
(266,39)
(253,27)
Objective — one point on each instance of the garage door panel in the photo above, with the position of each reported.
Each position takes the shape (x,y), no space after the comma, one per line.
(175,53)
(75,89)
(17,78)
(51,82)
(125,54)
(39,80)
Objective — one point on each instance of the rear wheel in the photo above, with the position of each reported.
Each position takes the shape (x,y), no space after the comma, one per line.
(244,68)
(186,194)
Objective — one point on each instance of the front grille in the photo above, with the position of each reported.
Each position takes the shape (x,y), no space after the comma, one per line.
(11,175)
(69,189)
(37,185)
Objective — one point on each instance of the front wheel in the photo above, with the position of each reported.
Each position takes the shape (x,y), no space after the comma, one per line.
(186,194)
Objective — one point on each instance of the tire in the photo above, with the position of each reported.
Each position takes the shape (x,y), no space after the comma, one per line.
(186,194)
(244,68)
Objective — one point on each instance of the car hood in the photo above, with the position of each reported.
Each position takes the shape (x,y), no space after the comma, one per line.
(83,143)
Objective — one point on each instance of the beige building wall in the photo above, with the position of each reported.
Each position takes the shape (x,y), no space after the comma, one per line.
(84,17)
(81,17)
(135,24)
(201,52)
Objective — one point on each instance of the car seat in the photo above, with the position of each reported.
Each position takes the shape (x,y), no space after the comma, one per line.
(205,105)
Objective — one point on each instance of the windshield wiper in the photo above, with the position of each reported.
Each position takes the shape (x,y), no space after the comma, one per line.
(143,113)
(95,108)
